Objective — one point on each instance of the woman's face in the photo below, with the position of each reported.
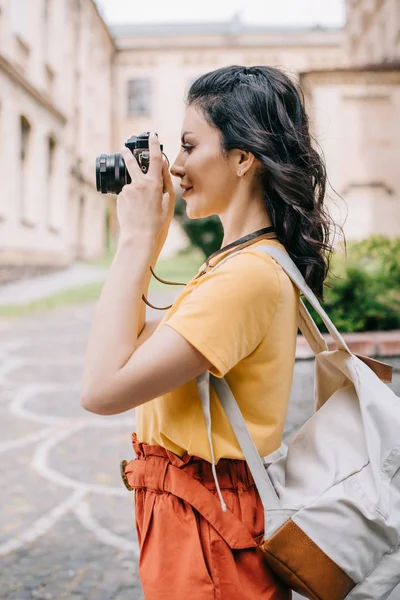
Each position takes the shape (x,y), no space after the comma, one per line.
(211,177)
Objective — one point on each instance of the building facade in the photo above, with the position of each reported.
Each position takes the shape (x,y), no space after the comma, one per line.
(71,89)
(56,60)
(373,31)
(356,116)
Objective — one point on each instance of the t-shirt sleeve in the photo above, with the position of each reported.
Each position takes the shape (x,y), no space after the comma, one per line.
(229,312)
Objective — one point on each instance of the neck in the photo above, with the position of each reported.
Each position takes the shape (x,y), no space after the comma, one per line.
(243,222)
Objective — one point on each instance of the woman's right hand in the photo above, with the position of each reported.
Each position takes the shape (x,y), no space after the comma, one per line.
(169,198)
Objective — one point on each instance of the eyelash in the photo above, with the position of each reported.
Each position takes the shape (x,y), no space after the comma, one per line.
(187,147)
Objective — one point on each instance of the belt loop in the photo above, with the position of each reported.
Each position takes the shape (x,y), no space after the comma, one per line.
(236,483)
(155,472)
(163,474)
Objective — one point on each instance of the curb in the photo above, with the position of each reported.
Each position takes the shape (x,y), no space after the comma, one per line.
(369,343)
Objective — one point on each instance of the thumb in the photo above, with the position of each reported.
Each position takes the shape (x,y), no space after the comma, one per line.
(169,197)
(169,186)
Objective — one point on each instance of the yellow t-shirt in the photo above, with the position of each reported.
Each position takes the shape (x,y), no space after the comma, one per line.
(243,318)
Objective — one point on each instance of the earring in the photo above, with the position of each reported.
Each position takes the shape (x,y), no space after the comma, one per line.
(239,172)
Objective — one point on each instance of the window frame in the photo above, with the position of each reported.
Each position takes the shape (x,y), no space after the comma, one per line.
(144,99)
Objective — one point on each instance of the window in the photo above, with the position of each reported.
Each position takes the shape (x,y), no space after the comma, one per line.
(51,148)
(46,9)
(46,29)
(18,16)
(139,97)
(25,134)
(50,180)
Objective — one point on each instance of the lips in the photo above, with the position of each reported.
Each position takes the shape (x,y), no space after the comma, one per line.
(186,189)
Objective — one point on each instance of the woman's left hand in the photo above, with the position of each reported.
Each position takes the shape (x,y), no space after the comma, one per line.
(143,211)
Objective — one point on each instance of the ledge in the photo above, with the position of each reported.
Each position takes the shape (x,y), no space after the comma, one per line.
(373,343)
(12,71)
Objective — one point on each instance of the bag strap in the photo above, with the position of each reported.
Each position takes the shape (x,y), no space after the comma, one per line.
(261,478)
(306,323)
(287,264)
(310,330)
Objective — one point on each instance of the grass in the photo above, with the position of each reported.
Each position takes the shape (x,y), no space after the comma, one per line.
(181,268)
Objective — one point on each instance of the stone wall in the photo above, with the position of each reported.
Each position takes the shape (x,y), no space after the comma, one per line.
(355,117)
(373,31)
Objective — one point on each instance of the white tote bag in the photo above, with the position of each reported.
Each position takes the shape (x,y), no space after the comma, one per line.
(332,503)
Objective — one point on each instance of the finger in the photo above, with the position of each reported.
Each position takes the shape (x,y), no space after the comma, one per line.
(131,164)
(169,186)
(155,168)
(168,202)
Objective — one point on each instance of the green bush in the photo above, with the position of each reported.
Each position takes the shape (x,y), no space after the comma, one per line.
(206,234)
(364,292)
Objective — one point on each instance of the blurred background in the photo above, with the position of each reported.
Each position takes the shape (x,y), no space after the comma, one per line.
(77,79)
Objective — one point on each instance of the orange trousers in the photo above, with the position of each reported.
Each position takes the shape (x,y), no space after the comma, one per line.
(189,548)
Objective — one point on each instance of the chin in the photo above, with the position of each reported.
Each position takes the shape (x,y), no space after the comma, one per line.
(192,213)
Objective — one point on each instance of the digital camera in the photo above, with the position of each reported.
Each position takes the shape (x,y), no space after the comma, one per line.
(111,171)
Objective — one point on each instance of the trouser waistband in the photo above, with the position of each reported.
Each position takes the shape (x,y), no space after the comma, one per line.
(190,478)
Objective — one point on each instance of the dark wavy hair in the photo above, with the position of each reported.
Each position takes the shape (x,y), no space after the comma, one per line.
(260,110)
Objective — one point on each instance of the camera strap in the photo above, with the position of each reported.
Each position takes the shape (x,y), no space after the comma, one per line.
(242,242)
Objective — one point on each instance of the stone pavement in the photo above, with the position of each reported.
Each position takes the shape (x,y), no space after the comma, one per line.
(29,290)
(66,523)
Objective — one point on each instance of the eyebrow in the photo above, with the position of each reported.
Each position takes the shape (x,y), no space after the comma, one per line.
(185,133)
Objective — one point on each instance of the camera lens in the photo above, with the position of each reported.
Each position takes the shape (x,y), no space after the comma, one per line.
(111,173)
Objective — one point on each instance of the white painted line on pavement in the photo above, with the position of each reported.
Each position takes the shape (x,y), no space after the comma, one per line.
(82,511)
(38,362)
(42,525)
(26,440)
(17,407)
(13,345)
(110,424)
(7,367)
(40,464)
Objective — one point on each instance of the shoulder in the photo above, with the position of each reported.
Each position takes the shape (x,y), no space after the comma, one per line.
(269,262)
(248,273)
(249,262)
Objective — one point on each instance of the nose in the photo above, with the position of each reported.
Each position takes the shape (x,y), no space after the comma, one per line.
(177,169)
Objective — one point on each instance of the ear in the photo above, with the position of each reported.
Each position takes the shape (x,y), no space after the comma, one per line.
(243,161)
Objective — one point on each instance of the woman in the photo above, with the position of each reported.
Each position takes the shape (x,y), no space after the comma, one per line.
(246,156)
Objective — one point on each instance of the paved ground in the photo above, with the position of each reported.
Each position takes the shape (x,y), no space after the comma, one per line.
(66,524)
(28,290)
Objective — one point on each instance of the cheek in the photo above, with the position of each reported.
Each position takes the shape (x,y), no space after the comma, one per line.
(209,172)
(213,188)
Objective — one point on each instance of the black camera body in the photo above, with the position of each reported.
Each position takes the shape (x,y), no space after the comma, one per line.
(111,171)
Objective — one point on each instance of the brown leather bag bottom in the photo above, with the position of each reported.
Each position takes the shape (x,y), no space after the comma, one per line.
(303,566)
